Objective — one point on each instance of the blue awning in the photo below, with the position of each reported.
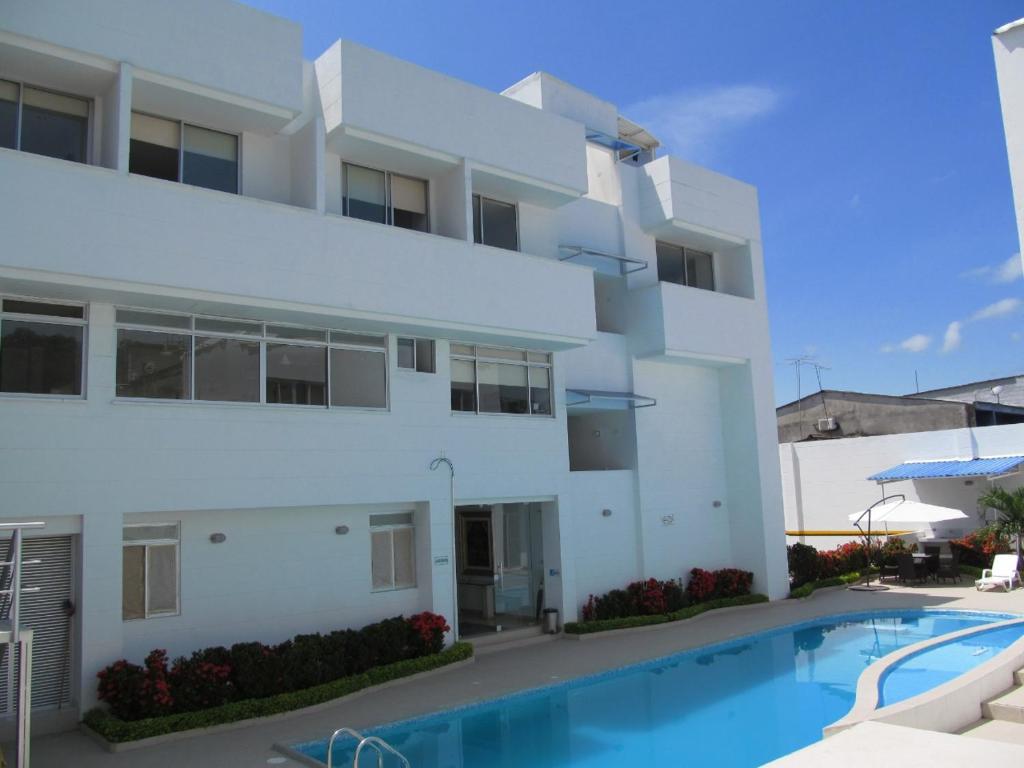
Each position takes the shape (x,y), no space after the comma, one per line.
(924,470)
(602,400)
(614,143)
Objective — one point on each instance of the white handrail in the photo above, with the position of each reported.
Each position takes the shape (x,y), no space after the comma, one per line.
(375,742)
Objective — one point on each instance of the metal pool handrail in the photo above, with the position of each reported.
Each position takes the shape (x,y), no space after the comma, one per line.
(373,741)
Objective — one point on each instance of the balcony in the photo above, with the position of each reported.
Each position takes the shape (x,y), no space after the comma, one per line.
(694,326)
(101,235)
(378,106)
(217,46)
(703,209)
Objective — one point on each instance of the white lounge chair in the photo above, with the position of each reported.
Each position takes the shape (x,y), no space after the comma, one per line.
(1002,573)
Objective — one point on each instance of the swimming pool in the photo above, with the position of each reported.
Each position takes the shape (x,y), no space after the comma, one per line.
(939,664)
(738,703)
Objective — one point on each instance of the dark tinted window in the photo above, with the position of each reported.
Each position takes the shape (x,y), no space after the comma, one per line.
(503,388)
(495,224)
(154,147)
(296,375)
(671,268)
(358,379)
(463,386)
(40,358)
(153,364)
(8,114)
(19,307)
(365,195)
(227,369)
(54,125)
(210,159)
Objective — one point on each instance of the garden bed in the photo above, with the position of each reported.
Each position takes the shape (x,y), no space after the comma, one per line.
(118,733)
(579,628)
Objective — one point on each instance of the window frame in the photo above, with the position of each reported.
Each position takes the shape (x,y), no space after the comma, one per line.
(181,151)
(146,544)
(390,528)
(89,118)
(389,210)
(683,250)
(476,359)
(82,322)
(416,355)
(263,339)
(477,201)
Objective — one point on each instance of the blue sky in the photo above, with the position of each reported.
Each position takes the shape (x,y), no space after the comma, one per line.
(871,128)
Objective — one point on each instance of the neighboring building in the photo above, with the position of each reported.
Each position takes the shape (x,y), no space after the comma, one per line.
(1008,47)
(1008,390)
(831,414)
(248,299)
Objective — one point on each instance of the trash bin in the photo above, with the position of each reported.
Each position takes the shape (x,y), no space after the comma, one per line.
(551,621)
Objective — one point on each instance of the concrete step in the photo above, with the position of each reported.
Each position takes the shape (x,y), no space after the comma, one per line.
(1007,706)
(996,730)
(503,641)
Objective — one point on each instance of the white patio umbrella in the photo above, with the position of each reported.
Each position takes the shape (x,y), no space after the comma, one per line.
(899,509)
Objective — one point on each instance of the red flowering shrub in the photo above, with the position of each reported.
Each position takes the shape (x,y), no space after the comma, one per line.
(701,586)
(215,676)
(732,582)
(428,632)
(649,597)
(978,547)
(589,612)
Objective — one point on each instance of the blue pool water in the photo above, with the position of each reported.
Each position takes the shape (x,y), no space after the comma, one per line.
(939,664)
(739,703)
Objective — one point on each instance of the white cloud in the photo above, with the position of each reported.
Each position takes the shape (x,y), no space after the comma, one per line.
(1015,336)
(1000,308)
(855,200)
(951,340)
(916,343)
(1008,271)
(690,122)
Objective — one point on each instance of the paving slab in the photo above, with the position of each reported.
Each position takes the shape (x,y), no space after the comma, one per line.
(996,730)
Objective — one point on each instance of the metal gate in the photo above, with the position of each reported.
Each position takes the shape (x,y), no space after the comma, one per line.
(46,612)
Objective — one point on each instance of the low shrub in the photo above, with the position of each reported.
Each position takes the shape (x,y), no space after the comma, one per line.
(806,564)
(117,730)
(215,677)
(806,590)
(732,582)
(687,612)
(640,598)
(803,563)
(701,585)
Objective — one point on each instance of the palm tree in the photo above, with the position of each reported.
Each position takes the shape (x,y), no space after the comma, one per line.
(1010,506)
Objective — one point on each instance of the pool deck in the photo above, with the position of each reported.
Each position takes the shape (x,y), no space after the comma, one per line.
(518,668)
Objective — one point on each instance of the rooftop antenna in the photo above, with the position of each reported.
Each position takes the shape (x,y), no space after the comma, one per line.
(917,384)
(798,363)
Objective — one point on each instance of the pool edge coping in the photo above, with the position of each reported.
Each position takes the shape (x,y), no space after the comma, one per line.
(931,709)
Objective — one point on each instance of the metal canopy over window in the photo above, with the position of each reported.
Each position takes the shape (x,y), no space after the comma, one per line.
(614,143)
(626,265)
(927,470)
(597,399)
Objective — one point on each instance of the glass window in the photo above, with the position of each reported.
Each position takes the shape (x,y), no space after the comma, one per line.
(210,159)
(54,125)
(699,270)
(159,319)
(685,266)
(392,556)
(463,385)
(671,267)
(40,358)
(149,571)
(288,332)
(153,364)
(9,114)
(503,388)
(365,194)
(359,339)
(234,327)
(227,369)
(495,223)
(416,355)
(155,147)
(296,375)
(20,307)
(407,353)
(409,202)
(358,379)
(498,380)
(540,390)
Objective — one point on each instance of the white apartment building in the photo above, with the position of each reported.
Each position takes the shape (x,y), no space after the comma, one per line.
(248,299)
(1008,49)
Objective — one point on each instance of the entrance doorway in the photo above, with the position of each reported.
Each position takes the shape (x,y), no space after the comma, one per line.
(500,566)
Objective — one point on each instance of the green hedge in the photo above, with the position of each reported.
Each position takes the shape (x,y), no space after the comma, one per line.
(590,627)
(970,571)
(115,730)
(837,581)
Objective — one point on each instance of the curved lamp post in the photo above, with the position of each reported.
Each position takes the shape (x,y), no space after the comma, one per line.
(435,464)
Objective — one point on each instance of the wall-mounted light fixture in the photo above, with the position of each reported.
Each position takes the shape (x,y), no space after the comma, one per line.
(341,530)
(968,482)
(218,538)
(606,513)
(716,503)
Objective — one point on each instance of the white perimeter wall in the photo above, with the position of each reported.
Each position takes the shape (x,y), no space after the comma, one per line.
(824,481)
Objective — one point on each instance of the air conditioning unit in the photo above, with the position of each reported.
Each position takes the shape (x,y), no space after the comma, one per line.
(828,424)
